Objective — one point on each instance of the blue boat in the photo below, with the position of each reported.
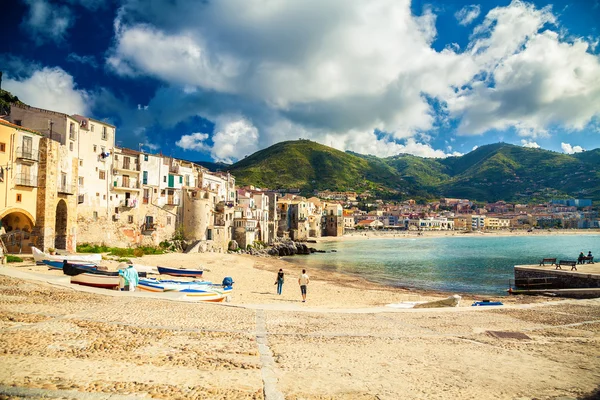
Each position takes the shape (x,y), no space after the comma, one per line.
(487,303)
(195,273)
(59,265)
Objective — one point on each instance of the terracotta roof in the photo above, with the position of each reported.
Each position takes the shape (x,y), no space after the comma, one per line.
(21,128)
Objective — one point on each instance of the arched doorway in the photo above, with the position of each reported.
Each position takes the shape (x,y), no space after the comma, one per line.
(60,226)
(16,226)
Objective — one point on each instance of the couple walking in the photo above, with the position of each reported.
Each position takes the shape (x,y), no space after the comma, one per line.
(303,281)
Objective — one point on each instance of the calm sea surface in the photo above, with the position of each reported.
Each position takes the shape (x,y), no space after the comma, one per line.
(453,264)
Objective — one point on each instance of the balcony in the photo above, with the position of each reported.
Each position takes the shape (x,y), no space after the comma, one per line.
(127,166)
(65,189)
(127,185)
(174,168)
(172,202)
(128,203)
(28,154)
(26,180)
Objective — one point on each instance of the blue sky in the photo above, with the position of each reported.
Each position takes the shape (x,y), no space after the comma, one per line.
(219,80)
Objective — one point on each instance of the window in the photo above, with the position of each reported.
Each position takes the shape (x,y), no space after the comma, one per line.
(180,179)
(130,219)
(102,174)
(71,146)
(18,197)
(81,163)
(95,215)
(18,122)
(95,148)
(145,178)
(92,127)
(2,147)
(72,131)
(81,181)
(145,157)
(97,194)
(168,220)
(164,179)
(104,135)
(155,190)
(116,210)
(146,196)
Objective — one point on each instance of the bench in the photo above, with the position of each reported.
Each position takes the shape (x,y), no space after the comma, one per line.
(582,260)
(564,263)
(552,261)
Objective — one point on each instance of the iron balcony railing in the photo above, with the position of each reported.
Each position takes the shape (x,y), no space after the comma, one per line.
(26,180)
(172,202)
(127,185)
(65,188)
(28,154)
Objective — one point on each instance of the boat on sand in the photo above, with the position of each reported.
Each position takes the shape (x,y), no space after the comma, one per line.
(192,273)
(59,265)
(39,256)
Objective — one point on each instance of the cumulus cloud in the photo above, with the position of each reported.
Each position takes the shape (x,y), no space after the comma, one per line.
(50,88)
(234,138)
(467,14)
(534,79)
(46,21)
(361,67)
(530,143)
(194,141)
(568,149)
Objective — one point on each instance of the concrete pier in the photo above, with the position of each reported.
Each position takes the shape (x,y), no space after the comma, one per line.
(535,279)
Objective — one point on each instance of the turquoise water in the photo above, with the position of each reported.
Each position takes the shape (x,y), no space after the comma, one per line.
(451,264)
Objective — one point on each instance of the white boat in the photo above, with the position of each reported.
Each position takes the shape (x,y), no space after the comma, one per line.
(39,256)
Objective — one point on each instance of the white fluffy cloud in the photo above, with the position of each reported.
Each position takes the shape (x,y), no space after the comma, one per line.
(46,21)
(530,143)
(50,88)
(337,71)
(194,141)
(467,14)
(568,149)
(234,138)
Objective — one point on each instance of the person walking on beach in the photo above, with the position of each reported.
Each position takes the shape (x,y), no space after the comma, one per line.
(131,278)
(279,281)
(303,282)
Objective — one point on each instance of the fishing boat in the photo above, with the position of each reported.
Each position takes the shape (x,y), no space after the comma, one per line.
(39,256)
(59,265)
(195,273)
(198,290)
(95,278)
(140,268)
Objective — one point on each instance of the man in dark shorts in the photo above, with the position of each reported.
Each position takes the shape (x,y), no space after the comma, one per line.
(303,282)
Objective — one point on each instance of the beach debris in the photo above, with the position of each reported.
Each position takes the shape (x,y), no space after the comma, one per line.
(508,335)
(451,301)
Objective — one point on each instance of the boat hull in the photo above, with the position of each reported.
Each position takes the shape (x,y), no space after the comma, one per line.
(192,273)
(95,280)
(201,291)
(59,265)
(39,256)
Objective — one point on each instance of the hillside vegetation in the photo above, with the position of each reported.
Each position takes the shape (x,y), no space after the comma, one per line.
(490,173)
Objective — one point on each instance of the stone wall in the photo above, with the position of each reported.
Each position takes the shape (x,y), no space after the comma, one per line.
(564,279)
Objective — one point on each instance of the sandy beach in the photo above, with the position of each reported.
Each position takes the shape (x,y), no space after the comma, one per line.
(60,340)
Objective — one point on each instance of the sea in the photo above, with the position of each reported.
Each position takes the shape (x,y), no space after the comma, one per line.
(458,264)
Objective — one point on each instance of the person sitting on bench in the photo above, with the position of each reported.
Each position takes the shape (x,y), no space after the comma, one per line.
(580,258)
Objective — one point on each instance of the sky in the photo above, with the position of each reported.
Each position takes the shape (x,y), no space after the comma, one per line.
(219,80)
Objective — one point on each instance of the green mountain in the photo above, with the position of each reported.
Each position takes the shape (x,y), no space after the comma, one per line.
(493,172)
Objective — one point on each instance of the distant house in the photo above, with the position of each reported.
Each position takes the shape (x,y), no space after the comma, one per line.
(367,223)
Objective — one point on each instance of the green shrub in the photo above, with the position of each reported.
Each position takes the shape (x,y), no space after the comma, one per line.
(12,259)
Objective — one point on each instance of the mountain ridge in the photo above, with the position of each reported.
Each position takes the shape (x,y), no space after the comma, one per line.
(498,171)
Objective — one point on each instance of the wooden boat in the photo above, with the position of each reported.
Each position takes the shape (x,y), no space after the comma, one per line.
(195,273)
(39,256)
(59,265)
(97,280)
(199,290)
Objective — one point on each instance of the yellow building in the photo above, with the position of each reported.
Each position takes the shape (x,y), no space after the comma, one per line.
(19,160)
